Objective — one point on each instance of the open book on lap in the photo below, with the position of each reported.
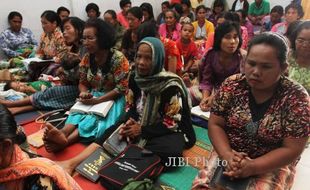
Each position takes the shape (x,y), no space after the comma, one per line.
(101,109)
(198,112)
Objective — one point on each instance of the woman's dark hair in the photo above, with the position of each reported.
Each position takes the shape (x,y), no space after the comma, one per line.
(297,7)
(148,8)
(51,16)
(60,9)
(275,40)
(187,3)
(14,14)
(105,33)
(147,29)
(301,25)
(177,12)
(200,7)
(7,86)
(224,29)
(136,12)
(8,127)
(93,6)
(123,3)
(277,9)
(166,3)
(244,13)
(232,16)
(291,29)
(112,13)
(218,3)
(77,24)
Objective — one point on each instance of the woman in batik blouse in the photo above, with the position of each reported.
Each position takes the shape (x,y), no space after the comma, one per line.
(52,44)
(260,120)
(16,40)
(299,69)
(103,77)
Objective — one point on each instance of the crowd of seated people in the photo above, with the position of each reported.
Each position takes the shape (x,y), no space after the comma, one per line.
(247,65)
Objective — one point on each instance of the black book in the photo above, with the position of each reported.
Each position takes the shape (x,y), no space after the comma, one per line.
(90,166)
(221,181)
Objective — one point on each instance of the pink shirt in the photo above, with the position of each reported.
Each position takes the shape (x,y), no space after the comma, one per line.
(176,34)
(122,19)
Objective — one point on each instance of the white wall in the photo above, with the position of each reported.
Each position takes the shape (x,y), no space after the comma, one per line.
(32,9)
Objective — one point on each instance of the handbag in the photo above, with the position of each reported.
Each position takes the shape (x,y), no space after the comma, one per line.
(133,163)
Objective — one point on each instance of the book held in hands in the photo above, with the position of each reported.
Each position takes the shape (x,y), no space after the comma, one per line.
(101,109)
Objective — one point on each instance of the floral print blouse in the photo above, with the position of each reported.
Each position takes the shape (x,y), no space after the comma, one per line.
(52,45)
(288,115)
(299,74)
(112,77)
(11,41)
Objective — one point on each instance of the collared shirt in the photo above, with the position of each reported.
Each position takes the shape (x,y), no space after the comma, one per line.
(263,9)
(11,41)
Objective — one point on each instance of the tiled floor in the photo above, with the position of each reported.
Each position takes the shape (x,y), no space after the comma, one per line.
(302,179)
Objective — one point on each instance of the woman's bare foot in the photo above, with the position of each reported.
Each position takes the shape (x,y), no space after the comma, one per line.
(67,166)
(54,139)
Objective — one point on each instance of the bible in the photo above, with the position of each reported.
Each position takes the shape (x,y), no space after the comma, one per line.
(221,181)
(101,109)
(90,166)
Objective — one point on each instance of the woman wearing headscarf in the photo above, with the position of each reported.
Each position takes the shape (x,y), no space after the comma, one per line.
(157,108)
(18,171)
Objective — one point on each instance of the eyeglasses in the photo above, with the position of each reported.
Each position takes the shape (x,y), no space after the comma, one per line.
(303,41)
(88,39)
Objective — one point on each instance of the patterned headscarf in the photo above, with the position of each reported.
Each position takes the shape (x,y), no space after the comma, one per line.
(158,81)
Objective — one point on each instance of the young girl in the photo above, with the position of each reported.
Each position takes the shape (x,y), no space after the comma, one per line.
(187,47)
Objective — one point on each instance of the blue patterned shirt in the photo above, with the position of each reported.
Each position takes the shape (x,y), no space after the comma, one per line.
(11,41)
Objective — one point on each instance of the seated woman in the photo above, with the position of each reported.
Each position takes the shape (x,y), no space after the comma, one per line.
(103,77)
(52,45)
(259,121)
(64,96)
(220,62)
(157,108)
(299,64)
(129,42)
(16,40)
(18,171)
(171,28)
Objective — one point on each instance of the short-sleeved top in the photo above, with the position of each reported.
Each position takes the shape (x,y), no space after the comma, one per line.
(11,41)
(122,20)
(263,9)
(299,74)
(288,115)
(171,49)
(113,75)
(40,85)
(174,35)
(212,73)
(52,45)
(188,51)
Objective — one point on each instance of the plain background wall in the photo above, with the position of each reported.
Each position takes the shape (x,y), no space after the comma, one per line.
(32,9)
